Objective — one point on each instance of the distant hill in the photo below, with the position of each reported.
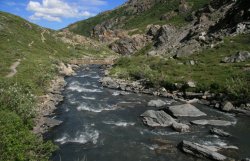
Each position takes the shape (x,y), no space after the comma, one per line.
(137,14)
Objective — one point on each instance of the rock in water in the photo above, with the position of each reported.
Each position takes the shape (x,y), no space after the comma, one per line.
(219,132)
(109,82)
(156,103)
(212,122)
(180,127)
(157,118)
(185,110)
(201,151)
(227,106)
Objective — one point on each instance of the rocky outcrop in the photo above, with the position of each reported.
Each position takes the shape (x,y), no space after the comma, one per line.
(65,70)
(47,104)
(129,45)
(166,36)
(201,150)
(212,122)
(219,132)
(185,110)
(241,56)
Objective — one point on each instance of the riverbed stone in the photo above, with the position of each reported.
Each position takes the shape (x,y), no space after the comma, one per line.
(156,103)
(227,106)
(157,119)
(212,122)
(219,132)
(185,110)
(49,122)
(180,127)
(201,150)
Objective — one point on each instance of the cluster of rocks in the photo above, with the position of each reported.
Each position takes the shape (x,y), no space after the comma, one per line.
(240,56)
(163,118)
(209,27)
(47,104)
(128,45)
(204,98)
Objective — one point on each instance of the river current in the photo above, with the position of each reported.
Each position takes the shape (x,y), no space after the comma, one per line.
(99,124)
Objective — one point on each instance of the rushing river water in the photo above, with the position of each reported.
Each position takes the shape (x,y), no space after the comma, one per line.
(100,125)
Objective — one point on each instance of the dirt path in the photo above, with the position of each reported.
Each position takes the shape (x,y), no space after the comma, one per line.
(42,36)
(13,68)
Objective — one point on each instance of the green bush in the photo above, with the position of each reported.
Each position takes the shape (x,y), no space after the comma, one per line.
(17,98)
(17,143)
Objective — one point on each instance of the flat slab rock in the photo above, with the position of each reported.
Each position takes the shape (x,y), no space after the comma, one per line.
(201,150)
(219,132)
(212,122)
(185,110)
(157,118)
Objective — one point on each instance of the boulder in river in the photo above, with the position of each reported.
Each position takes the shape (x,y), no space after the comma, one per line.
(201,150)
(156,103)
(212,122)
(180,127)
(185,110)
(227,106)
(109,82)
(157,118)
(219,132)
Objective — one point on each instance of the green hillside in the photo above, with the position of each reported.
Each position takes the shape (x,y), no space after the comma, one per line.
(139,21)
(38,50)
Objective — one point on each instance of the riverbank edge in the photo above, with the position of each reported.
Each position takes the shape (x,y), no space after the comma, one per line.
(207,98)
(48,103)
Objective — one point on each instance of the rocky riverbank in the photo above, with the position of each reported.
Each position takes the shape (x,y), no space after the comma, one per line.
(206,98)
(48,102)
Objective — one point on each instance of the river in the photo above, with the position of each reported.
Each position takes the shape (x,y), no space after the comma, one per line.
(101,125)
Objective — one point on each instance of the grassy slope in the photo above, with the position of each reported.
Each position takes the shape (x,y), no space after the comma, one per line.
(140,21)
(209,73)
(36,61)
(37,68)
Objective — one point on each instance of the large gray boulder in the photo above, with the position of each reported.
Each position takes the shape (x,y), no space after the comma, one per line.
(227,106)
(157,118)
(156,103)
(201,150)
(185,110)
(212,122)
(241,56)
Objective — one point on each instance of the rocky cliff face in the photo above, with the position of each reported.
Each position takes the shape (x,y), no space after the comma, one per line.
(201,26)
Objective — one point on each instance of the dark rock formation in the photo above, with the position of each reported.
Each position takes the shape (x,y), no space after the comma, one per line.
(129,45)
(201,150)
